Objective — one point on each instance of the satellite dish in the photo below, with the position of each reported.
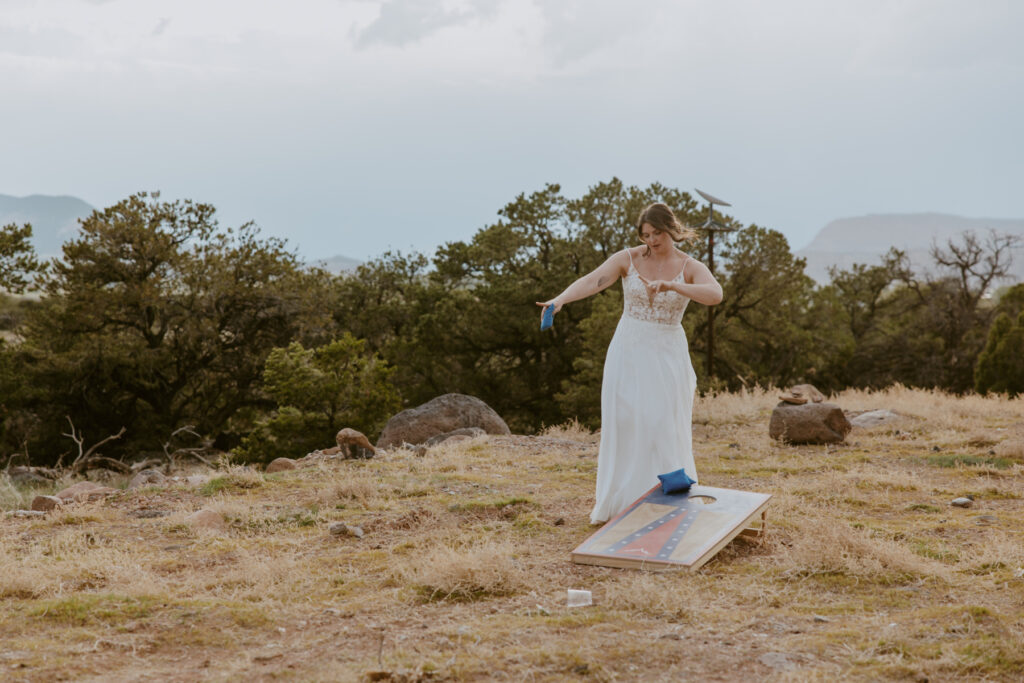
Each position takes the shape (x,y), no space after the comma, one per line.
(713,200)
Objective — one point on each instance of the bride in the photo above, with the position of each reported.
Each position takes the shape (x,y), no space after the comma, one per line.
(648,384)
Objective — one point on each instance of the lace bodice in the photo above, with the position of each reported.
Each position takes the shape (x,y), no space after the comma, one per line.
(667,307)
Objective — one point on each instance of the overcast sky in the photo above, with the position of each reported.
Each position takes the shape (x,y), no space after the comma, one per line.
(354,126)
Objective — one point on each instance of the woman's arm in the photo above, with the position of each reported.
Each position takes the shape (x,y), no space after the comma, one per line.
(704,289)
(593,282)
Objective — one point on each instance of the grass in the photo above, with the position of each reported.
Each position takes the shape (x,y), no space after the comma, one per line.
(969,460)
(867,572)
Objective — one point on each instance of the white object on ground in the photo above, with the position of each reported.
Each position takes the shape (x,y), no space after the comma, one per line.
(580,598)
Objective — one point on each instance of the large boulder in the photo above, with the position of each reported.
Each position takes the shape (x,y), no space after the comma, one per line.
(809,423)
(443,414)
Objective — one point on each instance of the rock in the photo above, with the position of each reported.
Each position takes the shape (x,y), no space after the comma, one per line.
(85,491)
(206,519)
(46,503)
(353,444)
(27,476)
(986,520)
(440,415)
(809,423)
(874,417)
(342,529)
(802,393)
(281,465)
(962,502)
(26,513)
(196,479)
(468,432)
(147,478)
(820,619)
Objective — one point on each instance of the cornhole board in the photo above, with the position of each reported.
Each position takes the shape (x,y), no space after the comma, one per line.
(682,530)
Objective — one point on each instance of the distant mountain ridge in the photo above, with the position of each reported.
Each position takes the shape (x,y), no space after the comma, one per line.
(54,219)
(865,239)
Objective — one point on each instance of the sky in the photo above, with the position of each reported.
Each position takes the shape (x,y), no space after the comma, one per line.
(350,127)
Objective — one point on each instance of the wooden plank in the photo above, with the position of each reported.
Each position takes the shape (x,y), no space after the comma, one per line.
(670,532)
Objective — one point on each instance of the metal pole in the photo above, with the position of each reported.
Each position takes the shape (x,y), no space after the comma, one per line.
(711,309)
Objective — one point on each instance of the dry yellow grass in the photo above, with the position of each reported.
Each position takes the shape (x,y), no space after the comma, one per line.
(867,572)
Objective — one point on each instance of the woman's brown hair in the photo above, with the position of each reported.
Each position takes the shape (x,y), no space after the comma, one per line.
(661,218)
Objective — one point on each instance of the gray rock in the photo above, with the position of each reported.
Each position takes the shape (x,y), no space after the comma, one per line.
(874,417)
(26,513)
(438,416)
(470,432)
(85,491)
(147,478)
(811,423)
(27,476)
(342,529)
(962,502)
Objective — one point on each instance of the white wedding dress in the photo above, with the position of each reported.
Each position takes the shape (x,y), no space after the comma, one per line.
(646,398)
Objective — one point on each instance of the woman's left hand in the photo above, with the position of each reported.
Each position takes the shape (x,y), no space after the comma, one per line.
(655,286)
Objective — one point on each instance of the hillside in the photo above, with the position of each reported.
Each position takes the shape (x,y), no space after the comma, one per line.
(864,239)
(53,219)
(867,571)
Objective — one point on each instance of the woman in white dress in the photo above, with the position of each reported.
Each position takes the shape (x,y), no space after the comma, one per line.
(648,384)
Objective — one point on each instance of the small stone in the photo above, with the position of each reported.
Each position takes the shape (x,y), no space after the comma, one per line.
(543,610)
(26,513)
(962,502)
(206,519)
(342,529)
(734,445)
(196,480)
(986,520)
(282,465)
(559,522)
(147,478)
(46,503)
(936,449)
(821,619)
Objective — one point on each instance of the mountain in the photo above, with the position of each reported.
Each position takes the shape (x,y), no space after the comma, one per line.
(864,239)
(53,219)
(338,264)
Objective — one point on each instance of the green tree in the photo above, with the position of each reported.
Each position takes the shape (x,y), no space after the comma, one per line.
(1000,366)
(156,318)
(317,392)
(18,261)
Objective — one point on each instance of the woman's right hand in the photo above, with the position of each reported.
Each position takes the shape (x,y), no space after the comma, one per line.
(544,304)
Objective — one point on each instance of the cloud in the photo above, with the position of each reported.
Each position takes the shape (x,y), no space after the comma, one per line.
(402,22)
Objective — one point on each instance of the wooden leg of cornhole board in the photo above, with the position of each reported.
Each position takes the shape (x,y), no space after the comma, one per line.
(756,533)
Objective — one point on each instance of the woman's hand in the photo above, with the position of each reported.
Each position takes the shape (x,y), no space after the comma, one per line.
(544,304)
(656,286)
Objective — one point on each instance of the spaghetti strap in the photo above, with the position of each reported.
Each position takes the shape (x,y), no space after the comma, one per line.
(629,253)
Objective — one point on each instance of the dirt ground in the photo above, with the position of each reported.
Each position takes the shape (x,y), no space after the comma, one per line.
(867,571)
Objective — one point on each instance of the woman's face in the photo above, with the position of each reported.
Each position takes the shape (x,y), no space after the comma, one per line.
(654,238)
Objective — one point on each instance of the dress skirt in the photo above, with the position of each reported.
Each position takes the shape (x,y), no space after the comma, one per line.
(646,411)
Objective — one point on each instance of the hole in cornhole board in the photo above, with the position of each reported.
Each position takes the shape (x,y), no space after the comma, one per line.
(684,530)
